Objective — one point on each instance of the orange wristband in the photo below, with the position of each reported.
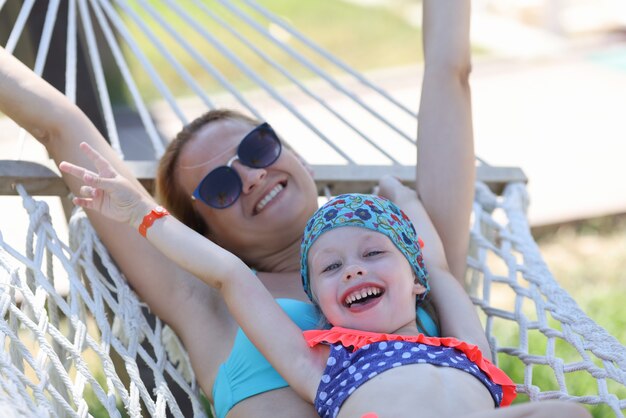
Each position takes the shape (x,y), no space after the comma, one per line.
(149,219)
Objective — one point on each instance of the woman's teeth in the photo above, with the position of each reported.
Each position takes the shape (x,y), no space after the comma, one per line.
(272,194)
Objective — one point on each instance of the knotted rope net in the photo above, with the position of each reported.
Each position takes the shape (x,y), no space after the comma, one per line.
(58,352)
(536,327)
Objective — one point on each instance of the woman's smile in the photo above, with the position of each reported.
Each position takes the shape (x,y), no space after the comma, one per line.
(271,197)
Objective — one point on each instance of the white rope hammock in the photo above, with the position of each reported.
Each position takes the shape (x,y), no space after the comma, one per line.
(47,337)
(57,351)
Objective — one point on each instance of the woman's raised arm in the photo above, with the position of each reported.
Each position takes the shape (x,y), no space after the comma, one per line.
(60,126)
(445,160)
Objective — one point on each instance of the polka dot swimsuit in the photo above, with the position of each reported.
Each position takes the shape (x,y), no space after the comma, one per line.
(347,369)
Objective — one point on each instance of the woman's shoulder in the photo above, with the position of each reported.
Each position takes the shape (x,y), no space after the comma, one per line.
(304,314)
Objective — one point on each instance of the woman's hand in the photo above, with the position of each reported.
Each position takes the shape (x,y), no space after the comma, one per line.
(391,188)
(406,198)
(107,191)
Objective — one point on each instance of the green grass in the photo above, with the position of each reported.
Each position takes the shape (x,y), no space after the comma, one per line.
(364,37)
(579,383)
(588,259)
(96,409)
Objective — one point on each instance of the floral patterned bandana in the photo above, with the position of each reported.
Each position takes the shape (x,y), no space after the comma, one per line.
(365,211)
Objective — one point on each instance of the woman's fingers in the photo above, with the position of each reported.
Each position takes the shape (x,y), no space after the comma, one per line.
(104,191)
(393,189)
(390,181)
(387,186)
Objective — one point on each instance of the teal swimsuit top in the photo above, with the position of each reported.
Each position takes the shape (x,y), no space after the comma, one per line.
(247,373)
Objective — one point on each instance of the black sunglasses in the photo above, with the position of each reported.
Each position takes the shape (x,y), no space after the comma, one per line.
(222,187)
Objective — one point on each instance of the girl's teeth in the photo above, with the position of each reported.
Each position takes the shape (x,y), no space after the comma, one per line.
(363,293)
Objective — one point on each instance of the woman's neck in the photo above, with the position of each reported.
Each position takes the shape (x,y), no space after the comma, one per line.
(280,274)
(284,260)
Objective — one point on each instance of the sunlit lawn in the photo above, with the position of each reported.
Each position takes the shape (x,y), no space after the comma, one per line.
(363,37)
(589,260)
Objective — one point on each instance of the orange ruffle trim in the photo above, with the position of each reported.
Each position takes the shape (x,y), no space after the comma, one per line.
(357,339)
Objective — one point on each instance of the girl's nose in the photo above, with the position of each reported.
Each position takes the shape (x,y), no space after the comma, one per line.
(353,272)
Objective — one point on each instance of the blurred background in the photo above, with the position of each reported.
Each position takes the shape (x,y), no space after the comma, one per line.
(549,96)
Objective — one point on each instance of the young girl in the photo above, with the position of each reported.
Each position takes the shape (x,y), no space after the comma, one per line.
(362,265)
(365,279)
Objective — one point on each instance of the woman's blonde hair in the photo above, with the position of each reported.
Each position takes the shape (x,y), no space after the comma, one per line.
(169,191)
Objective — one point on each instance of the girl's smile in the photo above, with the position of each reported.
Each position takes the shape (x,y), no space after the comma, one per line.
(362,294)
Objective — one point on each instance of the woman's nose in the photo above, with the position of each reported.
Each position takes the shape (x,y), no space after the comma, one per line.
(250,177)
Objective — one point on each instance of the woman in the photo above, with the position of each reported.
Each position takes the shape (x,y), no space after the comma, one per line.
(267,238)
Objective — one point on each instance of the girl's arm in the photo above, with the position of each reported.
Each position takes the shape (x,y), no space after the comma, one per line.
(445,160)
(250,303)
(457,314)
